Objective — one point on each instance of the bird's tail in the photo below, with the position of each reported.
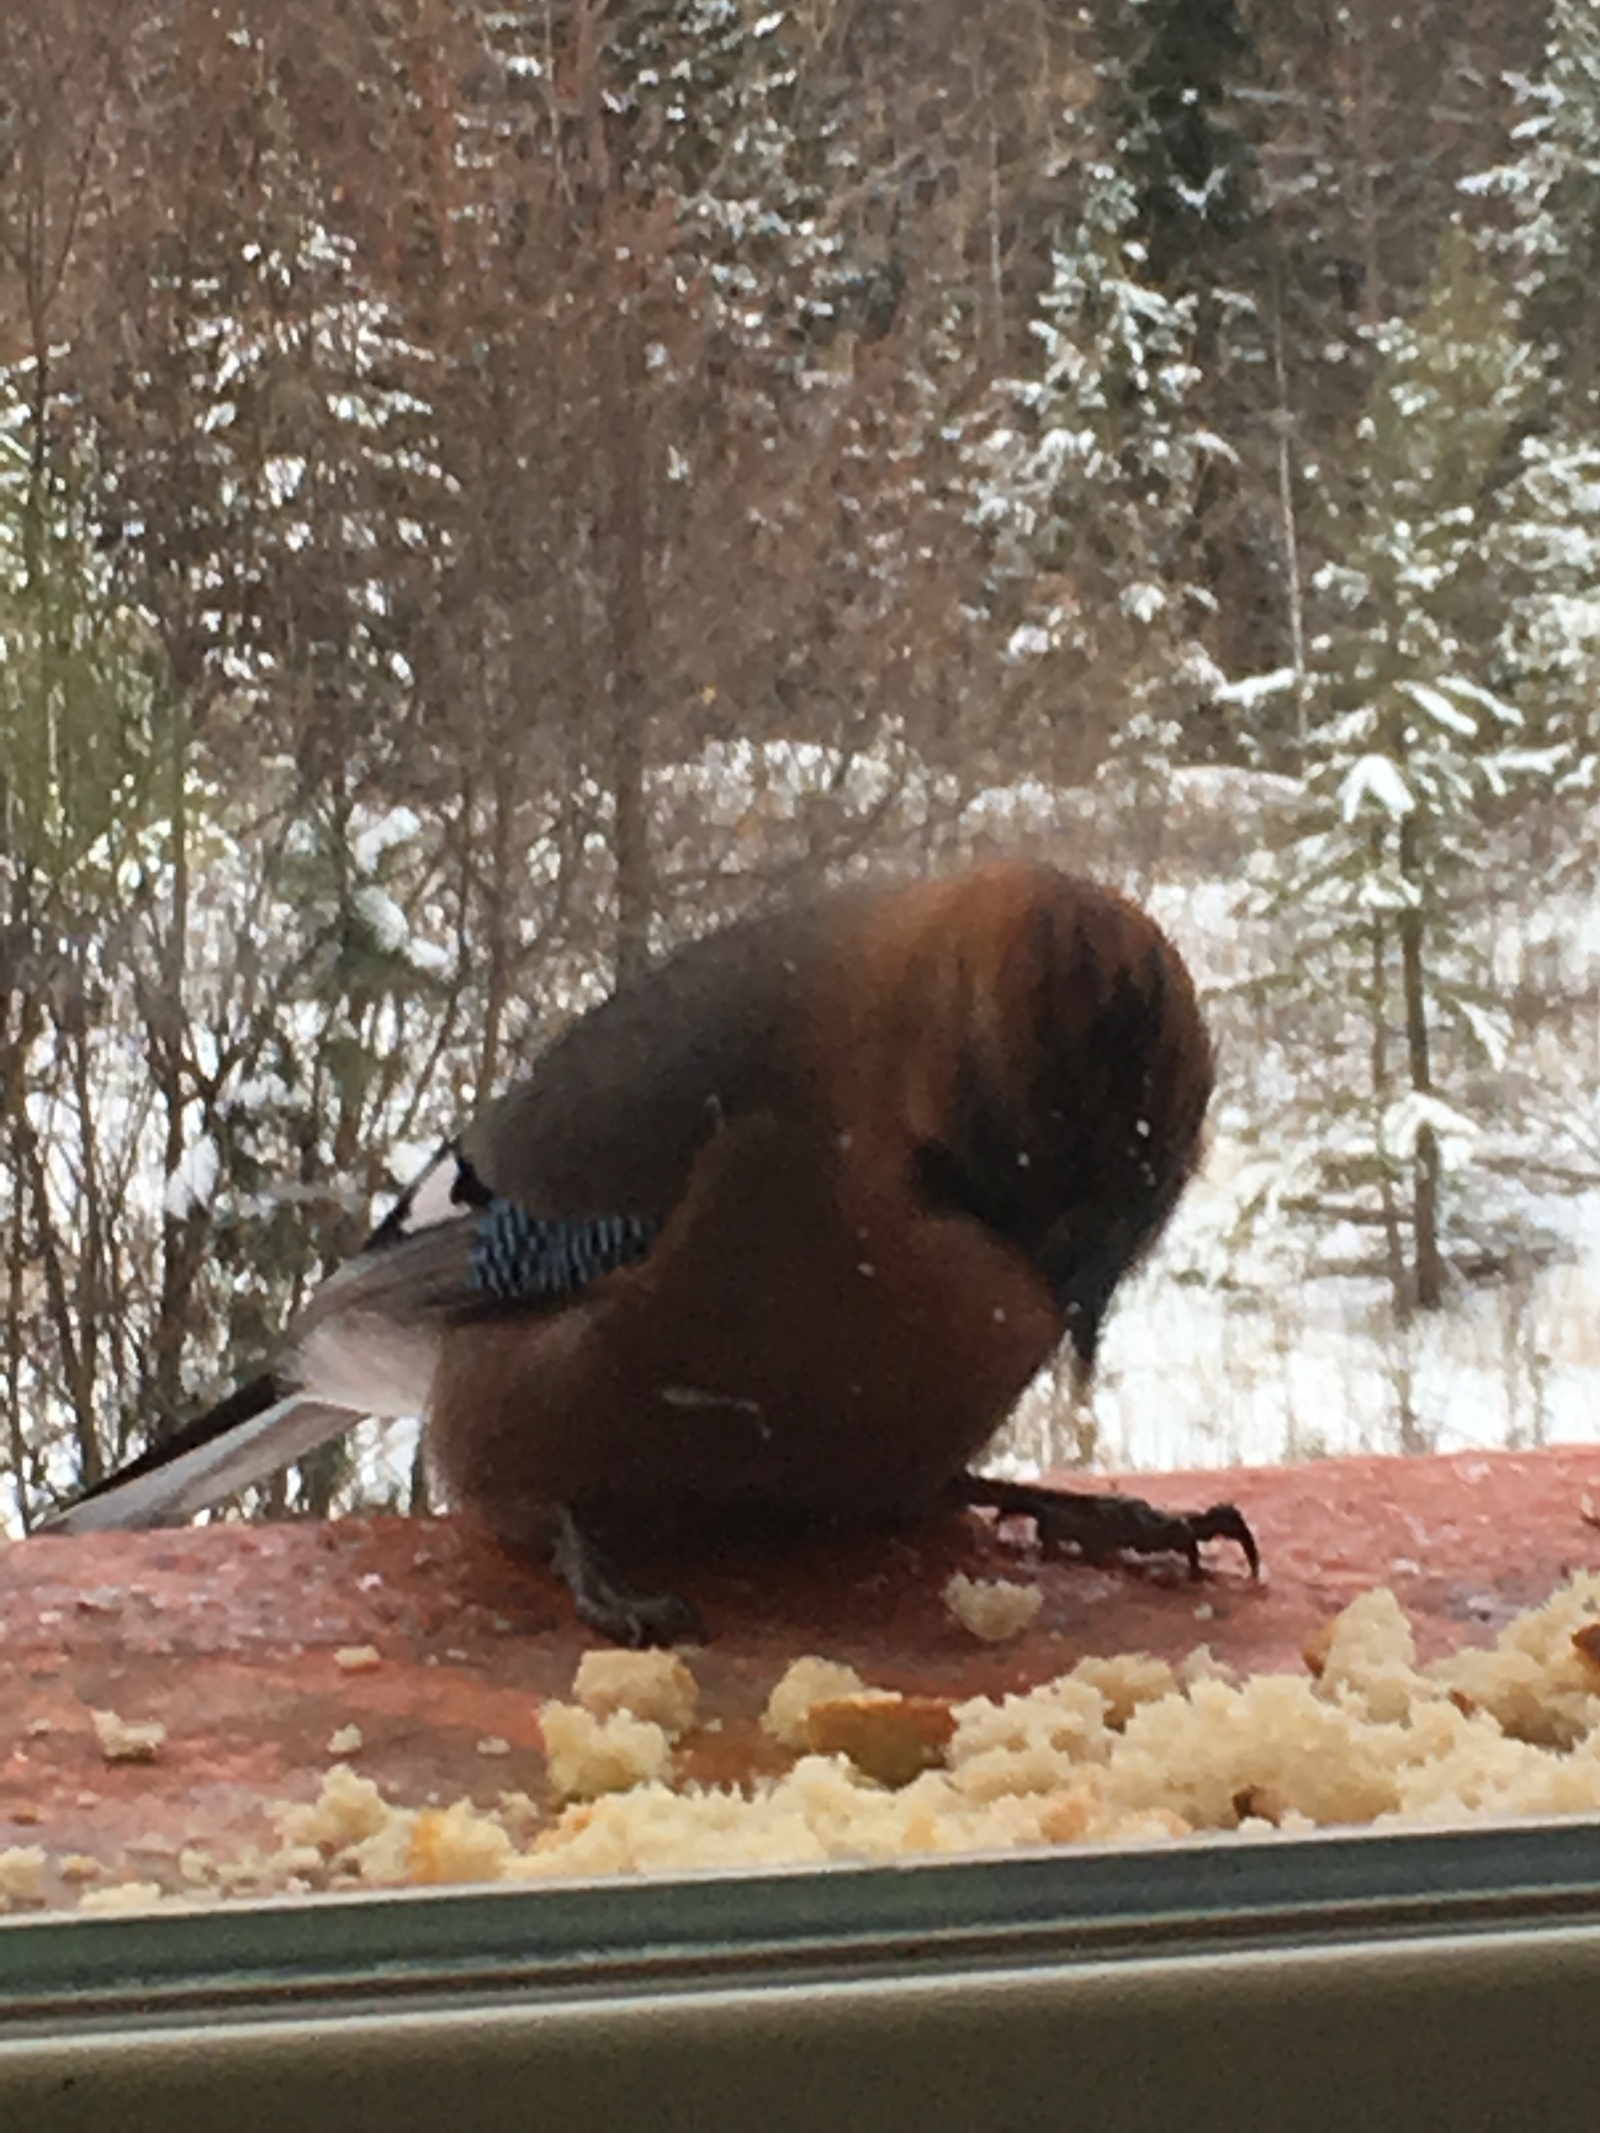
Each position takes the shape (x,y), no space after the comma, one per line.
(246,1439)
(364,1345)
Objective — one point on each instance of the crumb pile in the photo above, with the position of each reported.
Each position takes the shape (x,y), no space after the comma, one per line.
(1117,1751)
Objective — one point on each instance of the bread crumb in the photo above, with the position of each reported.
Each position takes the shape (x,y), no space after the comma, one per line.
(889,1738)
(587,1756)
(346,1741)
(357,1658)
(1536,1682)
(128,1740)
(992,1608)
(37,1728)
(806,1681)
(654,1685)
(1123,1750)
(519,1815)
(123,1896)
(492,1744)
(21,1875)
(1125,1681)
(244,1875)
(1368,1660)
(1027,1744)
(457,1844)
(346,1810)
(1195,1754)
(1202,1664)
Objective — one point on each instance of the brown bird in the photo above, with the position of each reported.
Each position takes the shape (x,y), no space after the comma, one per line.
(777,1235)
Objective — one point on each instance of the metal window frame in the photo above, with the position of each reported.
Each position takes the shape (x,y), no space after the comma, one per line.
(1448,1979)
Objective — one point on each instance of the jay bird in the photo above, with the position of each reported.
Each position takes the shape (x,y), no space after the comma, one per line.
(778,1234)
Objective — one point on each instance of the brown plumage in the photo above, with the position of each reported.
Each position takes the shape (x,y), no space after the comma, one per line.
(877,1156)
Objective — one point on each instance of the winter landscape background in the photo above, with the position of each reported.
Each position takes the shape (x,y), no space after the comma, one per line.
(487,492)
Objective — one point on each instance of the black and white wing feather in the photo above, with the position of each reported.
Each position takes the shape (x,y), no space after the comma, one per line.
(367,1342)
(613,1117)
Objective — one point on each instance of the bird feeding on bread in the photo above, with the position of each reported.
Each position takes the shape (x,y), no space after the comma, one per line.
(775,1237)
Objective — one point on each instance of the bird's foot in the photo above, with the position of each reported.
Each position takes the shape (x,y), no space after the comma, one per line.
(1100,1525)
(608,1604)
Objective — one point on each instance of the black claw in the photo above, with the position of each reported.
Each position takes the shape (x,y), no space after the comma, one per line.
(642,1621)
(1102,1525)
(608,1604)
(1225,1521)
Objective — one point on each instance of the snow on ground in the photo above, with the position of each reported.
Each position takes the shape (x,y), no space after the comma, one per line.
(1197,1376)
(1281,1362)
(1194,1374)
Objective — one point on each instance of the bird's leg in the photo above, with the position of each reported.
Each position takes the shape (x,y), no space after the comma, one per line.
(1102,1525)
(607,1603)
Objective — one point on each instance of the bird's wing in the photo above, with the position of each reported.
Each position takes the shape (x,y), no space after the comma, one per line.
(365,1345)
(564,1181)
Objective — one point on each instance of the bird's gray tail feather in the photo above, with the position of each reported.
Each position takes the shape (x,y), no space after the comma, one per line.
(252,1451)
(427,1277)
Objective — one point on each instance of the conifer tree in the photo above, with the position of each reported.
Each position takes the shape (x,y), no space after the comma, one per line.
(1411,735)
(1084,475)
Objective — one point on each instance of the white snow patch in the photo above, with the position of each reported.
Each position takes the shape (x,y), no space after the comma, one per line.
(1143,602)
(398,825)
(195,1179)
(429,957)
(1376,778)
(1404,1122)
(1252,689)
(382,916)
(1441,710)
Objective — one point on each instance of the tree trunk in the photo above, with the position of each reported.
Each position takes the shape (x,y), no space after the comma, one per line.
(497,923)
(1283,422)
(1425,1159)
(620,410)
(1393,1245)
(181,1249)
(629,630)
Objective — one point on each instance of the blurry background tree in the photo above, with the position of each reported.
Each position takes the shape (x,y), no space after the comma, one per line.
(485,493)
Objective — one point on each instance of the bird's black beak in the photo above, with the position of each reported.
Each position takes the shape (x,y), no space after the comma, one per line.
(1083,1336)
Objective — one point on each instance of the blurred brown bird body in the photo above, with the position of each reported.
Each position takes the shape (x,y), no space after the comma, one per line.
(889,1149)
(810,1104)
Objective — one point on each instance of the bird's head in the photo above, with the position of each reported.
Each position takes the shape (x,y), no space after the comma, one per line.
(1080,1072)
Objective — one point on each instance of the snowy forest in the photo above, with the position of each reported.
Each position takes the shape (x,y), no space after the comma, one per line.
(487,492)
